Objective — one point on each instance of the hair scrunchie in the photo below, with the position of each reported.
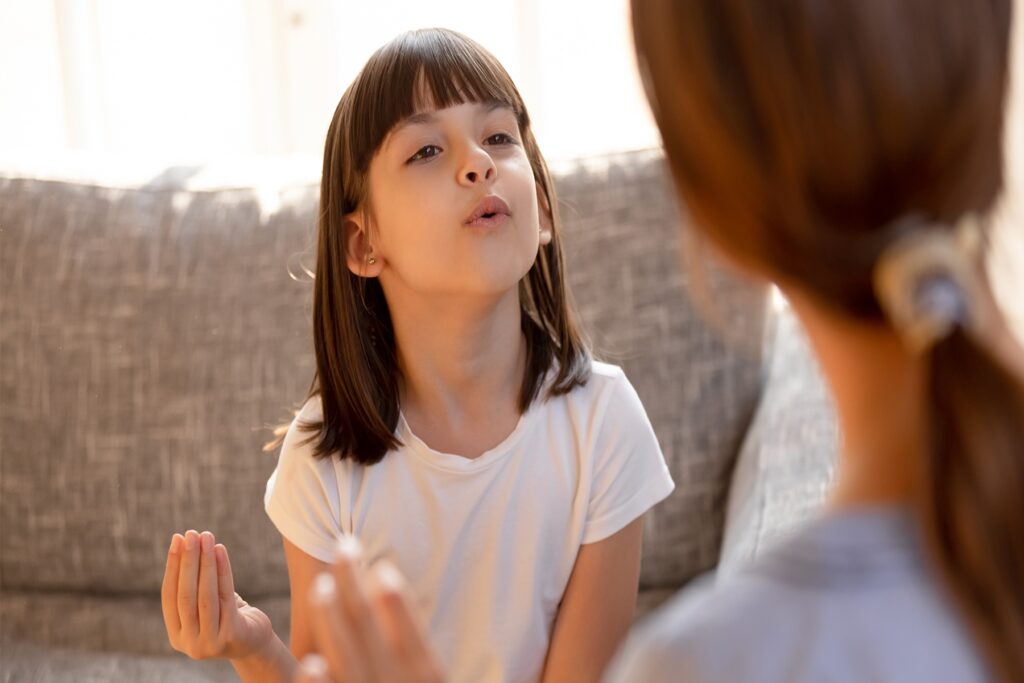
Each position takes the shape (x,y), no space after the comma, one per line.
(927,280)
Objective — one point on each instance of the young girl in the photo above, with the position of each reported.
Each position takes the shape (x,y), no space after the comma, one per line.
(851,152)
(457,426)
(864,140)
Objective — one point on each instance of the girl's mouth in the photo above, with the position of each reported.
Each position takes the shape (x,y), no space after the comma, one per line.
(490,211)
(488,220)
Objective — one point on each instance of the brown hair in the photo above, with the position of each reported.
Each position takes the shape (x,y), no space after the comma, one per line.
(796,131)
(357,374)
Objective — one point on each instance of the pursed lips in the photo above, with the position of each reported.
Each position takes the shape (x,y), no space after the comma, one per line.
(490,212)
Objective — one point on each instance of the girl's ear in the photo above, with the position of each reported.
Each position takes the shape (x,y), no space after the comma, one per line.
(359,254)
(546,219)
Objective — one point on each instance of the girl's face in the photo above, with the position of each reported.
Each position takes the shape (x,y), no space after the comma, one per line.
(432,178)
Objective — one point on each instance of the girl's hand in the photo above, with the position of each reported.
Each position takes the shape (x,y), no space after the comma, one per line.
(365,627)
(203,614)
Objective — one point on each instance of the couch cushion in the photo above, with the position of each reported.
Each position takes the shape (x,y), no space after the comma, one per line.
(103,623)
(789,455)
(132,625)
(690,344)
(149,335)
(30,662)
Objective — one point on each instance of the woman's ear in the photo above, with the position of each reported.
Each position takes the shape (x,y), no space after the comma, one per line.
(359,254)
(546,219)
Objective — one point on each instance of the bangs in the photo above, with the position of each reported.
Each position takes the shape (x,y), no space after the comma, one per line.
(419,71)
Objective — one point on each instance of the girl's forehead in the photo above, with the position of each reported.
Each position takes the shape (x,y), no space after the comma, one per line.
(432,114)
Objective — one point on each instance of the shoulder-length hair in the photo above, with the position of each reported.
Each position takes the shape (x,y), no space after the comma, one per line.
(357,374)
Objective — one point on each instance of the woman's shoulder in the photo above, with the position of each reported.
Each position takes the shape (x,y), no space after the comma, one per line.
(791,614)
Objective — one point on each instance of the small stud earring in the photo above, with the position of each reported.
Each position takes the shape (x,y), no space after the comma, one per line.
(371,260)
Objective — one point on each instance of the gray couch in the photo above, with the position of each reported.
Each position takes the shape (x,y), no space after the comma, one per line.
(151,329)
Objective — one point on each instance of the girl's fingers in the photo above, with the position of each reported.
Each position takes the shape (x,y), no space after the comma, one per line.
(188,579)
(357,610)
(225,579)
(312,669)
(331,632)
(230,601)
(169,588)
(208,595)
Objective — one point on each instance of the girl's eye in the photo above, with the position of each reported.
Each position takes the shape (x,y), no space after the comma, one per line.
(501,139)
(424,153)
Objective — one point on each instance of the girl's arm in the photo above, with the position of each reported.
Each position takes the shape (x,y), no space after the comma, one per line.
(597,607)
(302,569)
(276,662)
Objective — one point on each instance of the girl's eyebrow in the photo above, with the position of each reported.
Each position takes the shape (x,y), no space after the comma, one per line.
(497,104)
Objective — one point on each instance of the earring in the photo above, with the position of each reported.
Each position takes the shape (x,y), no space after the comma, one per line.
(371,261)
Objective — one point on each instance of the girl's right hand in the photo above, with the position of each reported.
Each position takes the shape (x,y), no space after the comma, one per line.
(203,614)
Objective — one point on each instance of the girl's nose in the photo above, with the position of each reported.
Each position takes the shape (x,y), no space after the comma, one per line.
(472,176)
(478,167)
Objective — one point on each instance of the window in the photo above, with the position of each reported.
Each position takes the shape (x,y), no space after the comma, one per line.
(194,80)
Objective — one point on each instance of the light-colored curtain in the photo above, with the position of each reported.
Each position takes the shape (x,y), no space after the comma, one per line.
(190,80)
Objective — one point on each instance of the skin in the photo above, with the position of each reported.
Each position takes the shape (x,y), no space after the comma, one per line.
(452,291)
(878,386)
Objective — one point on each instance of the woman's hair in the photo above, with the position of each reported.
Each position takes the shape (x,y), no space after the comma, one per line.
(357,373)
(797,131)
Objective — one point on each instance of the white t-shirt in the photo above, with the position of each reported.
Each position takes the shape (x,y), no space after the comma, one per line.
(487,544)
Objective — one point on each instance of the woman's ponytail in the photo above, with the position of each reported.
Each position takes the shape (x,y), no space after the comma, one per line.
(972,498)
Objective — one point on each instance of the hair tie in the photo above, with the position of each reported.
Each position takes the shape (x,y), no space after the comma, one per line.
(926,280)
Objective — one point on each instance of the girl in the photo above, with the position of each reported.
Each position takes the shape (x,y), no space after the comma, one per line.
(846,150)
(457,426)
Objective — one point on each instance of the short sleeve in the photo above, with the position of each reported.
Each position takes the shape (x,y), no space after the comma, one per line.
(302,497)
(630,475)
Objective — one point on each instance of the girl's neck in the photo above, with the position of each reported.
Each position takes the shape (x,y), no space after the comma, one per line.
(460,359)
(879,396)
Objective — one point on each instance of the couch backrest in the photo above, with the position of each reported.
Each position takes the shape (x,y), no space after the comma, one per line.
(150,334)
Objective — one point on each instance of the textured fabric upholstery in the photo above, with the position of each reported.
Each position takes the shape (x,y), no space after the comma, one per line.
(789,455)
(690,343)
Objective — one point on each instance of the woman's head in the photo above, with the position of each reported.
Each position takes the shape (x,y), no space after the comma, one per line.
(803,137)
(797,131)
(431,133)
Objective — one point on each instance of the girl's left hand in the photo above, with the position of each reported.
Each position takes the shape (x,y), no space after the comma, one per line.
(365,627)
